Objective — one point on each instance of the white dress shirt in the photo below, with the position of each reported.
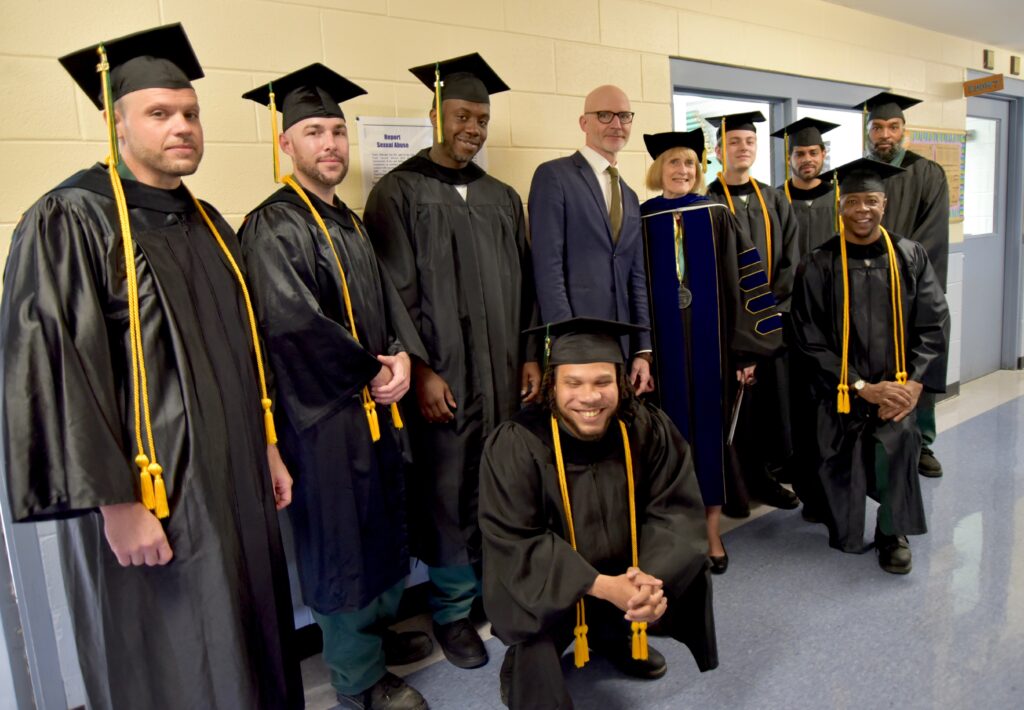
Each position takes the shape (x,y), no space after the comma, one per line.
(600,164)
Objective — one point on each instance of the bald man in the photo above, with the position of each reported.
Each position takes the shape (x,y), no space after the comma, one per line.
(585,227)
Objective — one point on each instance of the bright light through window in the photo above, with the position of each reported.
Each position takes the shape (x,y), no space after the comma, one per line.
(690,111)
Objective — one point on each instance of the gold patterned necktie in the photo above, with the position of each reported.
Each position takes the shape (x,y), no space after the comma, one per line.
(615,209)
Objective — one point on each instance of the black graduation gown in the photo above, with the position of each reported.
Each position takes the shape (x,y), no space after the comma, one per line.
(764,433)
(463,271)
(917,206)
(730,300)
(533,578)
(845,442)
(211,628)
(348,508)
(815,212)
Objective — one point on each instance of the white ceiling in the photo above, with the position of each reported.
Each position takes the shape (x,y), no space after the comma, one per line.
(991,22)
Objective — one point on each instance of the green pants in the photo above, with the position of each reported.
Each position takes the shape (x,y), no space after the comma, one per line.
(926,420)
(353,643)
(452,592)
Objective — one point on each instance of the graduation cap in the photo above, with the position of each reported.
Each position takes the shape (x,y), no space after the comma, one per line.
(804,132)
(736,122)
(579,341)
(468,78)
(886,105)
(658,143)
(158,58)
(862,175)
(313,91)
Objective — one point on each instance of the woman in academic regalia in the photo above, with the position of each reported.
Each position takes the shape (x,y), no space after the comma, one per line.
(712,312)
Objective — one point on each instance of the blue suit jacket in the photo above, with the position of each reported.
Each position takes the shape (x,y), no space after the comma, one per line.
(577,269)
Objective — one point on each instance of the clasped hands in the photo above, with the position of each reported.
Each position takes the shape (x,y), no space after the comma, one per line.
(895,401)
(637,593)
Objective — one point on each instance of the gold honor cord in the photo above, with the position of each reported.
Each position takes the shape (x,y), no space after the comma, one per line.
(268,414)
(898,333)
(151,481)
(581,650)
(837,221)
(369,406)
(767,228)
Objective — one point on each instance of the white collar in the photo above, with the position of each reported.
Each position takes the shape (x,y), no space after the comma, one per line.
(597,161)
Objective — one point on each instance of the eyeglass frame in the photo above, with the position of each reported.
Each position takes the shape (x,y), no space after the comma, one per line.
(612,115)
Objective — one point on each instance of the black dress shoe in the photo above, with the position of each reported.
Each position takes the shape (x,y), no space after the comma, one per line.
(811,515)
(731,510)
(405,647)
(719,563)
(620,654)
(893,553)
(928,465)
(772,493)
(461,644)
(388,693)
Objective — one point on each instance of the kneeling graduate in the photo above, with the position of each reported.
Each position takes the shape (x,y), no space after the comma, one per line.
(593,525)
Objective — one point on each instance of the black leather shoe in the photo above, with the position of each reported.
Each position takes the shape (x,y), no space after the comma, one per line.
(405,647)
(928,465)
(731,510)
(893,553)
(388,693)
(620,654)
(772,493)
(719,563)
(461,644)
(811,515)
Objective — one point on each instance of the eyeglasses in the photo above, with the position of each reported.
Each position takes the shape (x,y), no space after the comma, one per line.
(607,116)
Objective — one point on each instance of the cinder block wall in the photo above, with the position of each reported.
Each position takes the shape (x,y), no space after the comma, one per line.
(551,52)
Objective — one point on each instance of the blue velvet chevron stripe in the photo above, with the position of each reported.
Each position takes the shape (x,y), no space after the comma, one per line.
(687,342)
(769,325)
(753,280)
(759,304)
(749,258)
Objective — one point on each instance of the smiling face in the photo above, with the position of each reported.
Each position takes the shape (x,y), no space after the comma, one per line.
(679,172)
(159,135)
(862,214)
(319,150)
(586,398)
(464,124)
(740,150)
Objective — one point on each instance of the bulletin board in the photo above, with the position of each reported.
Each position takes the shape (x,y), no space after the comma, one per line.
(948,148)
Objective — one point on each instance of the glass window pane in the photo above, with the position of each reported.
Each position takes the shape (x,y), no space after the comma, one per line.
(844,143)
(980,175)
(689,111)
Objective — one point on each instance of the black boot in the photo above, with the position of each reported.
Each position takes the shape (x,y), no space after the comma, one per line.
(401,648)
(928,465)
(461,644)
(388,693)
(893,553)
(620,653)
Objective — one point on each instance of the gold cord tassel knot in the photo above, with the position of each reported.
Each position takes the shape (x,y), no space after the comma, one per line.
(370,407)
(268,421)
(640,652)
(396,417)
(581,649)
(159,490)
(145,482)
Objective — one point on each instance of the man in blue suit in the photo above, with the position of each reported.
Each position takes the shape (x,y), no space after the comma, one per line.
(585,227)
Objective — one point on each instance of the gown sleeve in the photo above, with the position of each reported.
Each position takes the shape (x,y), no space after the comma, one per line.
(928,337)
(789,257)
(531,576)
(317,363)
(931,224)
(64,445)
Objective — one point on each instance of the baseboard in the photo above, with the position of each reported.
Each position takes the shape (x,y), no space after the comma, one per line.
(952,390)
(1020,363)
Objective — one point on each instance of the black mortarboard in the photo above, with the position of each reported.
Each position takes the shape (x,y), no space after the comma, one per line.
(658,143)
(805,132)
(313,91)
(885,106)
(862,175)
(159,58)
(468,77)
(578,341)
(736,122)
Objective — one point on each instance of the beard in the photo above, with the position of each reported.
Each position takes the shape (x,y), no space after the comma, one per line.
(884,153)
(311,169)
(162,162)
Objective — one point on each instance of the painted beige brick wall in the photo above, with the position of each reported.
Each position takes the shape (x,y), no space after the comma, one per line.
(550,51)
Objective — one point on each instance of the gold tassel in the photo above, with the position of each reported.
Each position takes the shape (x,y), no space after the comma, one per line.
(159,490)
(396,417)
(437,101)
(268,421)
(581,651)
(785,140)
(640,640)
(370,407)
(843,402)
(145,481)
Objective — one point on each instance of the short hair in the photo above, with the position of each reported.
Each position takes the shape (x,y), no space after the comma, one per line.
(654,172)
